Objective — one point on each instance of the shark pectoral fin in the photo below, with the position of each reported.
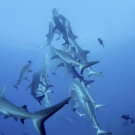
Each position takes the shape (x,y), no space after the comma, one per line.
(22,121)
(99,105)
(48,86)
(28,87)
(55,57)
(39,91)
(6,116)
(25,107)
(75,36)
(49,91)
(86,52)
(60,64)
(40,117)
(15,118)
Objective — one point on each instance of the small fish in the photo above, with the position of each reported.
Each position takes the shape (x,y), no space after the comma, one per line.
(126,117)
(132,120)
(101,42)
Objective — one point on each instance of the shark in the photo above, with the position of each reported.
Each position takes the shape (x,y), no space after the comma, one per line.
(23,74)
(47,100)
(67,26)
(75,74)
(74,103)
(50,34)
(80,53)
(66,57)
(86,95)
(34,86)
(8,109)
(89,110)
(45,91)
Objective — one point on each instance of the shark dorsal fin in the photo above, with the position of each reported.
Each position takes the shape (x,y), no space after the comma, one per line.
(25,107)
(2,91)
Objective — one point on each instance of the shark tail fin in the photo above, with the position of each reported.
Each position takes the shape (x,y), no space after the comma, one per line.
(85,65)
(99,105)
(81,115)
(95,73)
(15,86)
(88,82)
(100,132)
(40,98)
(40,117)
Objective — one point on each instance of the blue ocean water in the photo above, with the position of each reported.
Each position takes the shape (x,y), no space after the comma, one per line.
(24,25)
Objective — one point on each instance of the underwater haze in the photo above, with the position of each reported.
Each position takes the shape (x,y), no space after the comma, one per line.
(23,29)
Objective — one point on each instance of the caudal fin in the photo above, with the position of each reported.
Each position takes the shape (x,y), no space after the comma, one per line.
(40,117)
(99,105)
(100,132)
(85,65)
(95,73)
(88,82)
(15,86)
(81,115)
(40,98)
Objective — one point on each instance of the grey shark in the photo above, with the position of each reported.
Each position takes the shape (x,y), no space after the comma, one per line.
(34,86)
(60,27)
(23,74)
(67,26)
(80,53)
(86,95)
(8,109)
(75,74)
(73,102)
(89,110)
(50,34)
(66,57)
